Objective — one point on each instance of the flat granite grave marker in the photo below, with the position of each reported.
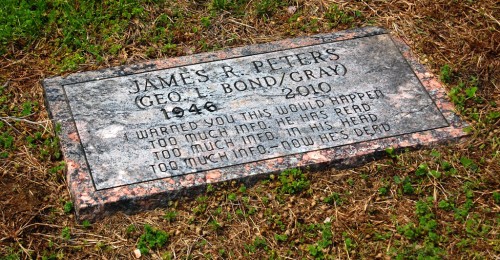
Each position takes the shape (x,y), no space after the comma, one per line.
(134,137)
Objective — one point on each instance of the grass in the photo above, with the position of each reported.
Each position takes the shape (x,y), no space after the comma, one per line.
(435,203)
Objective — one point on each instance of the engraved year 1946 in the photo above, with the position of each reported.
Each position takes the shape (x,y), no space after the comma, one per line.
(193,109)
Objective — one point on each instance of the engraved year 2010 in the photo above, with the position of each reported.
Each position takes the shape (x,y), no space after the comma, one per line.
(320,88)
(194,109)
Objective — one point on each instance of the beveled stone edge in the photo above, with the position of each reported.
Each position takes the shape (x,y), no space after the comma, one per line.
(92,205)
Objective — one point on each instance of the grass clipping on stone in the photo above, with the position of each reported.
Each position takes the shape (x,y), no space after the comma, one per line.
(435,203)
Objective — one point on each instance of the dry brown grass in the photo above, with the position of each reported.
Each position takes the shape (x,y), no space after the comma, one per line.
(463,34)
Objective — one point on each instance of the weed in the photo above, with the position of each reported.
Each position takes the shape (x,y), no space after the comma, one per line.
(463,243)
(391,152)
(200,209)
(446,166)
(407,186)
(202,243)
(101,245)
(251,210)
(151,239)
(86,224)
(130,229)
(425,251)
(435,174)
(278,222)
(349,243)
(422,170)
(406,183)
(68,207)
(492,116)
(220,4)
(215,225)
(316,250)
(464,92)
(333,198)
(382,236)
(445,74)
(471,92)
(6,143)
(202,206)
(266,8)
(445,205)
(217,211)
(205,21)
(210,188)
(58,168)
(468,163)
(426,225)
(474,228)
(11,254)
(294,17)
(232,197)
(170,215)
(383,190)
(168,47)
(293,181)
(462,211)
(337,17)
(435,154)
(496,197)
(115,48)
(281,238)
(72,62)
(27,108)
(258,243)
(66,233)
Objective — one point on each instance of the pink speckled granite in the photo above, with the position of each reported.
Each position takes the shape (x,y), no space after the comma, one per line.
(106,169)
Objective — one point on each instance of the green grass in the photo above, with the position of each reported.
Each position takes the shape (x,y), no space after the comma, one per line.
(21,22)
(79,28)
